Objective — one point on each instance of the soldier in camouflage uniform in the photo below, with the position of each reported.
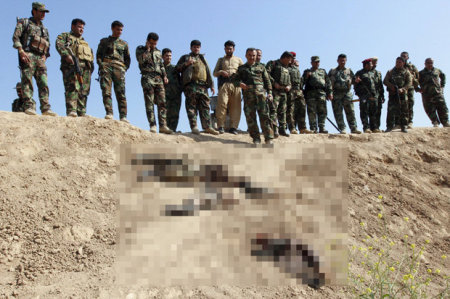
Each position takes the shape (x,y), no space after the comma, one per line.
(341,81)
(196,80)
(432,83)
(398,81)
(259,56)
(280,78)
(18,104)
(414,87)
(71,45)
(153,79)
(379,86)
(113,59)
(32,41)
(254,81)
(366,90)
(173,90)
(317,90)
(296,110)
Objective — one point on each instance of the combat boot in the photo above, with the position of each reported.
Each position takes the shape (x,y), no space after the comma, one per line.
(256,141)
(367,131)
(343,131)
(376,131)
(356,131)
(446,125)
(211,131)
(294,131)
(49,112)
(435,124)
(30,111)
(275,132)
(404,130)
(388,130)
(195,130)
(165,130)
(124,119)
(305,131)
(109,116)
(72,114)
(397,127)
(410,125)
(283,132)
(221,130)
(153,129)
(269,141)
(323,131)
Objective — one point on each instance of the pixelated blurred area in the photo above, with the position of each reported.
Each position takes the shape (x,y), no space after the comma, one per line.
(207,214)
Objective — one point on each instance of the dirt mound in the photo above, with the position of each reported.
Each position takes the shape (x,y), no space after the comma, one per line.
(57,211)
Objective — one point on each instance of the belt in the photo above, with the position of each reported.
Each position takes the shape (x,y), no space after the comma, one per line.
(107,60)
(254,86)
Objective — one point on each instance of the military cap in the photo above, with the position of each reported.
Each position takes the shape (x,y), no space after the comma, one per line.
(294,54)
(367,60)
(374,58)
(315,59)
(39,6)
(18,86)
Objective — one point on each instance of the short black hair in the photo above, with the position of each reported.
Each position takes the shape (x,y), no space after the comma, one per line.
(250,50)
(404,52)
(196,42)
(76,21)
(258,50)
(116,24)
(342,56)
(401,58)
(230,43)
(429,59)
(166,50)
(153,36)
(286,54)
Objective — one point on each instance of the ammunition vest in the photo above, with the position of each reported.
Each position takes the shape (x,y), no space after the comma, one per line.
(34,38)
(199,71)
(80,48)
(296,78)
(317,79)
(341,79)
(280,74)
(398,77)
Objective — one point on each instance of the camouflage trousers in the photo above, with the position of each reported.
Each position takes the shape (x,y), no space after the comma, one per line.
(297,111)
(37,69)
(436,108)
(173,105)
(368,113)
(317,112)
(76,94)
(18,105)
(255,101)
(154,94)
(111,73)
(410,96)
(378,114)
(197,101)
(343,101)
(397,110)
(278,110)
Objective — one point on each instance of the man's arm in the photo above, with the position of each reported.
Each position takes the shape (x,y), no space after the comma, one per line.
(181,66)
(100,52)
(126,57)
(442,77)
(387,82)
(218,67)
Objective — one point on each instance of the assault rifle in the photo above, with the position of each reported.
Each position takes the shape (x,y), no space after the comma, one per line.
(76,65)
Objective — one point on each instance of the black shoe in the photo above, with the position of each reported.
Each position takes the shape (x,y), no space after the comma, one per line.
(256,141)
(323,131)
(284,133)
(233,131)
(388,130)
(221,130)
(404,130)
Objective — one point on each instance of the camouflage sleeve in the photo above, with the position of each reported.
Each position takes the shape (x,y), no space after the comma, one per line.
(139,54)
(126,57)
(17,34)
(415,78)
(180,67)
(387,82)
(328,88)
(236,79)
(60,44)
(218,67)
(48,40)
(409,80)
(331,77)
(380,85)
(442,77)
(269,67)
(267,83)
(162,68)
(100,52)
(208,74)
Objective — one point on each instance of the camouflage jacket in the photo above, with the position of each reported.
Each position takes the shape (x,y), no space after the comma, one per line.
(150,62)
(186,71)
(379,83)
(173,76)
(317,83)
(414,74)
(400,78)
(278,73)
(255,74)
(24,32)
(296,78)
(67,39)
(432,82)
(367,87)
(341,79)
(114,50)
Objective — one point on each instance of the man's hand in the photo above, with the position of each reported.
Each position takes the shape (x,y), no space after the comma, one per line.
(166,81)
(330,97)
(270,97)
(357,79)
(69,59)
(287,88)
(189,62)
(213,91)
(308,74)
(277,86)
(24,56)
(243,86)
(224,74)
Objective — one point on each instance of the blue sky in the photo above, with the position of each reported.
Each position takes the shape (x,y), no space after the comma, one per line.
(360,29)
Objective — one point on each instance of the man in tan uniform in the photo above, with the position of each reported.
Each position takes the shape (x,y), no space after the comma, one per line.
(229,95)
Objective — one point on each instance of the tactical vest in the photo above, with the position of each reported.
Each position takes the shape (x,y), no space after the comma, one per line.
(281,74)
(398,78)
(199,70)
(317,79)
(341,79)
(34,38)
(80,48)
(296,78)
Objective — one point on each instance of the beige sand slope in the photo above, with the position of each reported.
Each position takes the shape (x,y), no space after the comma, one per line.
(57,212)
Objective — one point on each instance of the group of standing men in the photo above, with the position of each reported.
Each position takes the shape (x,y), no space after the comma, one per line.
(277,91)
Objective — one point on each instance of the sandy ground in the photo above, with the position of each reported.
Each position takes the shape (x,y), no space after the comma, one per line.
(57,207)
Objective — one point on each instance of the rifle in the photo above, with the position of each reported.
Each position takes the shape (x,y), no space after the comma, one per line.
(76,65)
